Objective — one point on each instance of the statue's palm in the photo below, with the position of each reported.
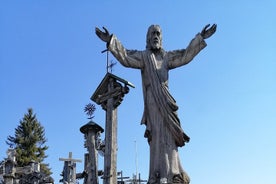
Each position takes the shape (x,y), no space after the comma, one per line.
(104,36)
(206,33)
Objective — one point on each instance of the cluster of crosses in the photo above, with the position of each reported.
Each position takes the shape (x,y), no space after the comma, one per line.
(29,174)
(109,94)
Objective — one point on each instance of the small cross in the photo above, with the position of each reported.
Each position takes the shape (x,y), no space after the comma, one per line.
(109,65)
(70,159)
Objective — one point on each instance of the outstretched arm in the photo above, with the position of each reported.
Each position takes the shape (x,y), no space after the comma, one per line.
(128,58)
(182,57)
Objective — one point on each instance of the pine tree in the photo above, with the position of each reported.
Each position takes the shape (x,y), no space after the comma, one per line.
(29,142)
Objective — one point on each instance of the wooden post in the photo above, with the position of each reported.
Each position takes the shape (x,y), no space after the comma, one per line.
(109,95)
(110,156)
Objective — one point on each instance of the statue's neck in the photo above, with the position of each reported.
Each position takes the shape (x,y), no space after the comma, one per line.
(157,51)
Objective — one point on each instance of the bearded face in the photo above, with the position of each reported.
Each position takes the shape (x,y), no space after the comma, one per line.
(154,38)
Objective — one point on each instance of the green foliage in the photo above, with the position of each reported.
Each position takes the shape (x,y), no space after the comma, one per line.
(29,142)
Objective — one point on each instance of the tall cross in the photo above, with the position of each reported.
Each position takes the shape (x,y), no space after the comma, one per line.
(109,94)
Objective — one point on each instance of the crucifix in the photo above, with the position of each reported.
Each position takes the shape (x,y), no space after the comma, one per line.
(69,169)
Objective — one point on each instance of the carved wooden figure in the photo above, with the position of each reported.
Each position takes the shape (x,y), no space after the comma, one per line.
(163,129)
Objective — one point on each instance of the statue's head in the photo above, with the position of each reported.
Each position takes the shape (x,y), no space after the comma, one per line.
(154,38)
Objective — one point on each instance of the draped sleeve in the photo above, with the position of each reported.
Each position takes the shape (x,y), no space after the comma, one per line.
(181,57)
(128,58)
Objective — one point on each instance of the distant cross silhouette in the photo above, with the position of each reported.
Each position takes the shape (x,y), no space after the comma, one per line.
(121,179)
(109,65)
(70,159)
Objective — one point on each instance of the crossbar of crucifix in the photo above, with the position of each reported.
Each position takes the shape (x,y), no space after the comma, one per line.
(70,159)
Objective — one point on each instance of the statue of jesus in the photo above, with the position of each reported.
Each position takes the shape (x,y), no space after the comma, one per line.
(163,129)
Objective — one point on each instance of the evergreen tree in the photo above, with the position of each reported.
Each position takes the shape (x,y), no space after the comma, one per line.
(29,142)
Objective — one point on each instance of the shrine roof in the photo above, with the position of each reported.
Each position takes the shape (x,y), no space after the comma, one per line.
(104,85)
(91,126)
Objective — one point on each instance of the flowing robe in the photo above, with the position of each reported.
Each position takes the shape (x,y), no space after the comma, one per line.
(163,128)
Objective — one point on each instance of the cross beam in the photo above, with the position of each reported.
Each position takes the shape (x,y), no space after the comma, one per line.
(70,159)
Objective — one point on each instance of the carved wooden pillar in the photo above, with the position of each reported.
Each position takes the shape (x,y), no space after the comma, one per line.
(109,95)
(91,131)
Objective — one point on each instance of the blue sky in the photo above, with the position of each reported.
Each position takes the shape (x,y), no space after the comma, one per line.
(51,61)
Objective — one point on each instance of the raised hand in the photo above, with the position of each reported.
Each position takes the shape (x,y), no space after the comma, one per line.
(206,33)
(104,36)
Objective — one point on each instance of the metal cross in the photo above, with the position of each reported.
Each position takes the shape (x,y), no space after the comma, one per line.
(109,65)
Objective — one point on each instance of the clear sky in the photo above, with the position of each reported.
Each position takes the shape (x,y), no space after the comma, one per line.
(51,61)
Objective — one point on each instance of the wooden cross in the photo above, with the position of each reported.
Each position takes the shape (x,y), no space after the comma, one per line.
(70,159)
(69,170)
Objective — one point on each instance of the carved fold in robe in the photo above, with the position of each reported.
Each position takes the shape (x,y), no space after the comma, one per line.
(164,99)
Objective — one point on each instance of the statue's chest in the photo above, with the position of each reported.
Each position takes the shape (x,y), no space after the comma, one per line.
(160,67)
(158,61)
